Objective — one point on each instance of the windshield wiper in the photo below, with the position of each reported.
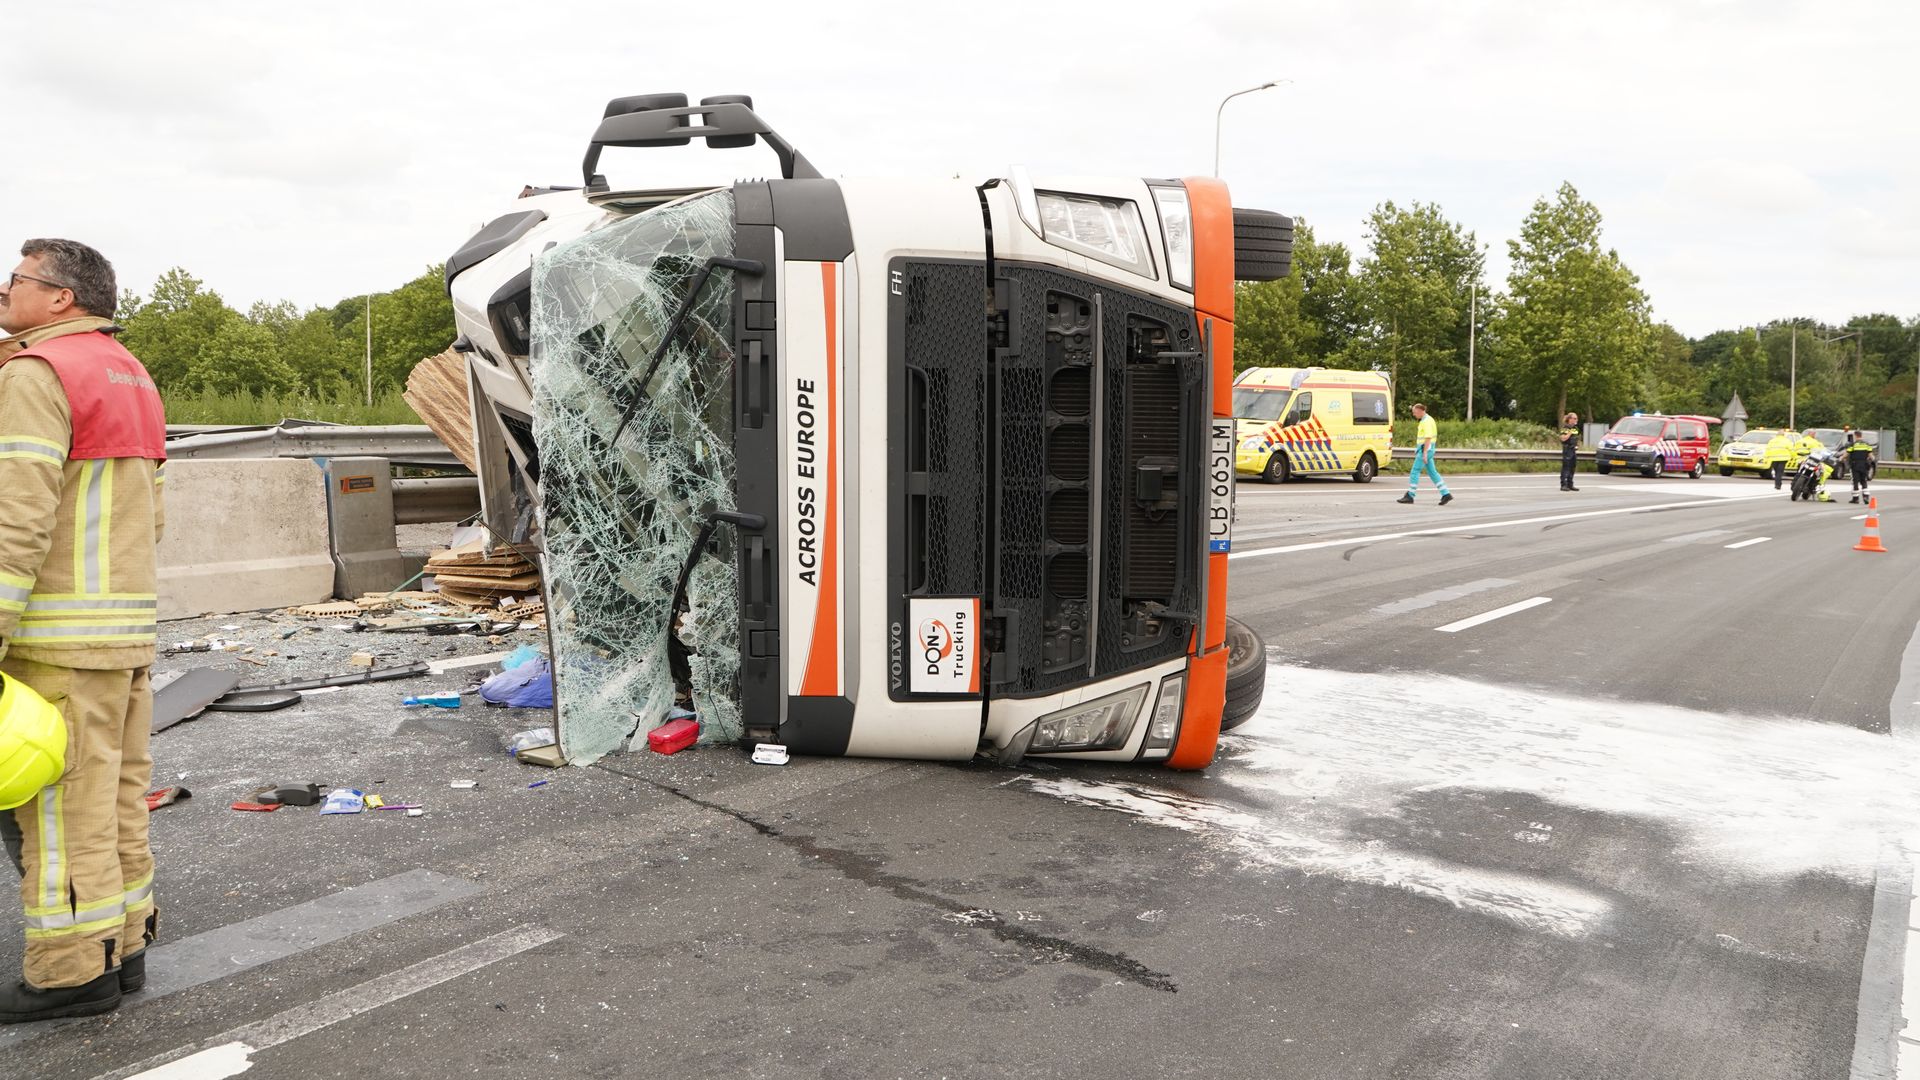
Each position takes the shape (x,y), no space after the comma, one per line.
(672,330)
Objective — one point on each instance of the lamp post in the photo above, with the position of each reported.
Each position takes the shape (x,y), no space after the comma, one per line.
(1219,112)
(369,350)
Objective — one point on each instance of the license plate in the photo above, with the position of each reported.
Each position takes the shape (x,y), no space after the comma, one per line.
(1220,486)
(1616,461)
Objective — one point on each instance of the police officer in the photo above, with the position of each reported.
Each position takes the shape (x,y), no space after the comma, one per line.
(1859,465)
(1569,450)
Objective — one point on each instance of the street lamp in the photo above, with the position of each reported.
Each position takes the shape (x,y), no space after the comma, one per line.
(1217,113)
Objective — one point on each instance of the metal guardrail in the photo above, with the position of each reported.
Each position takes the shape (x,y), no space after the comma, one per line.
(1460,453)
(412,444)
(436,499)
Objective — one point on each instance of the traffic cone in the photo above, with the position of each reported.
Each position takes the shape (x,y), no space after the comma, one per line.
(1870,540)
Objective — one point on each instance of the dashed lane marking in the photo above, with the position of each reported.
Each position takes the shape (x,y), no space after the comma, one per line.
(1496,613)
(1749,543)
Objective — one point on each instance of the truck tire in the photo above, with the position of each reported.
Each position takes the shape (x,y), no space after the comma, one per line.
(1262,245)
(1246,674)
(1367,469)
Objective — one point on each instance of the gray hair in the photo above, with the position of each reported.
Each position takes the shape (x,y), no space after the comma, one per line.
(76,266)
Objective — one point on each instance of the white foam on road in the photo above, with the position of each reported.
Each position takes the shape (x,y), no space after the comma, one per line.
(1749,797)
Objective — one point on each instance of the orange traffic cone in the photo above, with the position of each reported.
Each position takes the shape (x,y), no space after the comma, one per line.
(1870,540)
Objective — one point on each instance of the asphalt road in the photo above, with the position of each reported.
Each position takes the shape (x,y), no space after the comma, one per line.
(1635,829)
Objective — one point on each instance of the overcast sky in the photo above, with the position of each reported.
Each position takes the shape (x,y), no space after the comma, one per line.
(1752,160)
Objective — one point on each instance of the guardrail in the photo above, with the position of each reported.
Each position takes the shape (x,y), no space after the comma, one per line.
(435,499)
(410,444)
(1461,453)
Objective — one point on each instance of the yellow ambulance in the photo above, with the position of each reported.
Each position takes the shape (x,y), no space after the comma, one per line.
(1312,422)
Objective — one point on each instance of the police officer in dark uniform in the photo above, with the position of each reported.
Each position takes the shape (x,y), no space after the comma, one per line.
(1859,465)
(1569,450)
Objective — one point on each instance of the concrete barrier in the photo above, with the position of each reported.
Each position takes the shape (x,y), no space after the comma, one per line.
(242,535)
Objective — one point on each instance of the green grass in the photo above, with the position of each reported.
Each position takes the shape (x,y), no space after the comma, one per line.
(248,409)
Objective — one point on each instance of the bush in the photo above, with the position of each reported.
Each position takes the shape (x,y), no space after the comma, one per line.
(1482,435)
(247,408)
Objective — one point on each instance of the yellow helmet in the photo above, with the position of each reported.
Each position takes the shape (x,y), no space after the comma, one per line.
(33,743)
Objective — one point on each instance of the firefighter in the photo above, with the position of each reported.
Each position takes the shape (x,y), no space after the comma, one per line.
(82,441)
(1859,466)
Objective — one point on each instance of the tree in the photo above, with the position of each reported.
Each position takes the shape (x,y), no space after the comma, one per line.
(1575,326)
(1413,294)
(168,331)
(1302,320)
(1675,384)
(241,357)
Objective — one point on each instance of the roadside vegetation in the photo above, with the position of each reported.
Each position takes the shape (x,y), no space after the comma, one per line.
(1569,328)
(243,407)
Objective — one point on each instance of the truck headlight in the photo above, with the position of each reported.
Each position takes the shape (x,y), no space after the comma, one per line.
(1176,226)
(1164,723)
(1102,724)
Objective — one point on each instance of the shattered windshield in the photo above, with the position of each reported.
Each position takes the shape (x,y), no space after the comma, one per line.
(620,518)
(1251,404)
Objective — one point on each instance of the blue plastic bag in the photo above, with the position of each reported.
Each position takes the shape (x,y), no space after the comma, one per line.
(529,686)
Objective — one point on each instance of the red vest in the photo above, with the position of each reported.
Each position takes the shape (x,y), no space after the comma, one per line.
(116,408)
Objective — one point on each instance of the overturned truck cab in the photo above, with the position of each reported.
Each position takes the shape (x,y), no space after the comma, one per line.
(900,468)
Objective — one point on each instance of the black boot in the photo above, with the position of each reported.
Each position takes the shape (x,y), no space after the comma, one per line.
(133,972)
(22,1004)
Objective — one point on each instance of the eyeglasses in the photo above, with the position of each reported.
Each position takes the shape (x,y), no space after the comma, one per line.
(15,279)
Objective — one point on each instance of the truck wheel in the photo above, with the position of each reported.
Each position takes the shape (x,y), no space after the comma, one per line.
(1651,470)
(1602,468)
(1277,469)
(1699,469)
(1367,470)
(1246,674)
(1724,471)
(1262,245)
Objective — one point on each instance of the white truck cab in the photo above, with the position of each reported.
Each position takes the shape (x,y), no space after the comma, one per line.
(904,468)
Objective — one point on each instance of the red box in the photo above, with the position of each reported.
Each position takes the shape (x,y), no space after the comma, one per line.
(673,736)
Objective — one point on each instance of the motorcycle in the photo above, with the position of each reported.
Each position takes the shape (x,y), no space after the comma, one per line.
(1809,480)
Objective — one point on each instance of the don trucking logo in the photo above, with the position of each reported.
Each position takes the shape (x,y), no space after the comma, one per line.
(944,652)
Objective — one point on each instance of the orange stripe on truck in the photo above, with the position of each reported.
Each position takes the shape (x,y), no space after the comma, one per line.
(822,678)
(1206,694)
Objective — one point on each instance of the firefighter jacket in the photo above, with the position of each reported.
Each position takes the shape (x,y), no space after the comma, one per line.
(82,447)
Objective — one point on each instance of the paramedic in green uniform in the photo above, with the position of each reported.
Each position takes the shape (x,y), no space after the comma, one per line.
(1423,458)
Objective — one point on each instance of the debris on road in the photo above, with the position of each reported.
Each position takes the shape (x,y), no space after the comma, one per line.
(471,575)
(529,686)
(344,801)
(256,807)
(166,796)
(188,695)
(530,740)
(674,735)
(545,756)
(769,754)
(255,701)
(465,785)
(290,795)
(444,699)
(361,659)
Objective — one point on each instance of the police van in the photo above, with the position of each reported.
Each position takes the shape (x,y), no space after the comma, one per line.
(1312,422)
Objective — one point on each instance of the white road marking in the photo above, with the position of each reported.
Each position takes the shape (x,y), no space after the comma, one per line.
(1496,613)
(1749,543)
(1695,537)
(332,1009)
(1438,596)
(1858,517)
(1484,525)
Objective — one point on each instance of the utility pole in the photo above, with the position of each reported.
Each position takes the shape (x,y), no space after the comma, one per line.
(369,350)
(1473,319)
(1793,379)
